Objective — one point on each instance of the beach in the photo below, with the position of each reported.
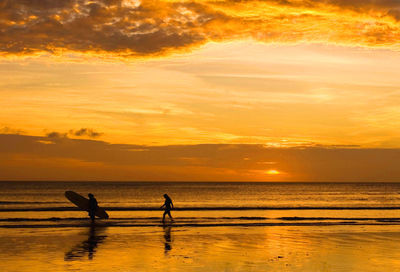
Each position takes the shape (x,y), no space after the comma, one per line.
(357,231)
(199,136)
(283,248)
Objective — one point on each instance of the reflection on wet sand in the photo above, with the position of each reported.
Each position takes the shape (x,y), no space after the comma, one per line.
(167,237)
(88,246)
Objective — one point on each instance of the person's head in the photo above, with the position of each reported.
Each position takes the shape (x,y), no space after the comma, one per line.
(90,195)
(166,196)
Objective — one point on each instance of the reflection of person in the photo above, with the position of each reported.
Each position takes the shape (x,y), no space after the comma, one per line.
(167,237)
(92,207)
(88,246)
(168,207)
(91,243)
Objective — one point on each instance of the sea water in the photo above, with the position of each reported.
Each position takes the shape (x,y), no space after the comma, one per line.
(217,227)
(128,203)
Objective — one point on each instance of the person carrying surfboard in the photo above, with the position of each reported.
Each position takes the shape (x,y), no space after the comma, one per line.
(92,207)
(168,207)
(89,205)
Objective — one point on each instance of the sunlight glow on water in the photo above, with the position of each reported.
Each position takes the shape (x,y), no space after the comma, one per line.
(225,239)
(202,249)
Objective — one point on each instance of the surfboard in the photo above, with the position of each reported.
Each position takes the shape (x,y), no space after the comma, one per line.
(83,203)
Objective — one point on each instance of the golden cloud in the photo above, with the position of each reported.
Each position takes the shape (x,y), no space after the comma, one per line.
(134,28)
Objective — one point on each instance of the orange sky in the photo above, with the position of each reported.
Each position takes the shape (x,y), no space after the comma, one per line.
(299,90)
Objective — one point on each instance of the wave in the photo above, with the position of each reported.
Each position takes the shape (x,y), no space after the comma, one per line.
(29,202)
(222,224)
(222,208)
(57,222)
(56,219)
(296,218)
(249,218)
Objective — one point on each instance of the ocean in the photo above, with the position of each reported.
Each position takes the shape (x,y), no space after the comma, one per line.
(219,226)
(24,204)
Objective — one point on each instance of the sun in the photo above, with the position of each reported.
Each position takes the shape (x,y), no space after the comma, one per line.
(273,172)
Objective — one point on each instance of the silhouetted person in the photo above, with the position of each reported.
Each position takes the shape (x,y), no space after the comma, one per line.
(168,207)
(92,207)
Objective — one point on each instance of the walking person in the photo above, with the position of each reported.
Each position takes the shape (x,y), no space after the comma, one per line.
(168,206)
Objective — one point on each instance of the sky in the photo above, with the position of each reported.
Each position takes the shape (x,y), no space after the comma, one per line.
(285,90)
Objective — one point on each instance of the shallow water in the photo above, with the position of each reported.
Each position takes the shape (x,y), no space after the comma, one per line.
(278,248)
(240,227)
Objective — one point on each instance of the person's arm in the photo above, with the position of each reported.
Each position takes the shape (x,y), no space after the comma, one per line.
(162,206)
(172,205)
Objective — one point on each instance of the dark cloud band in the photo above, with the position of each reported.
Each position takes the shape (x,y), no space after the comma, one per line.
(63,158)
(134,28)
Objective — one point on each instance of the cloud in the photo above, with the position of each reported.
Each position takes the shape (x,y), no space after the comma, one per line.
(55,134)
(122,28)
(85,132)
(33,157)
(8,130)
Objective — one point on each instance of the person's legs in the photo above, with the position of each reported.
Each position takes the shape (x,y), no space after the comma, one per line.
(92,216)
(163,217)
(169,214)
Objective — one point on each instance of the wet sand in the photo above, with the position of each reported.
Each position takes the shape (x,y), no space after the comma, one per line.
(185,248)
